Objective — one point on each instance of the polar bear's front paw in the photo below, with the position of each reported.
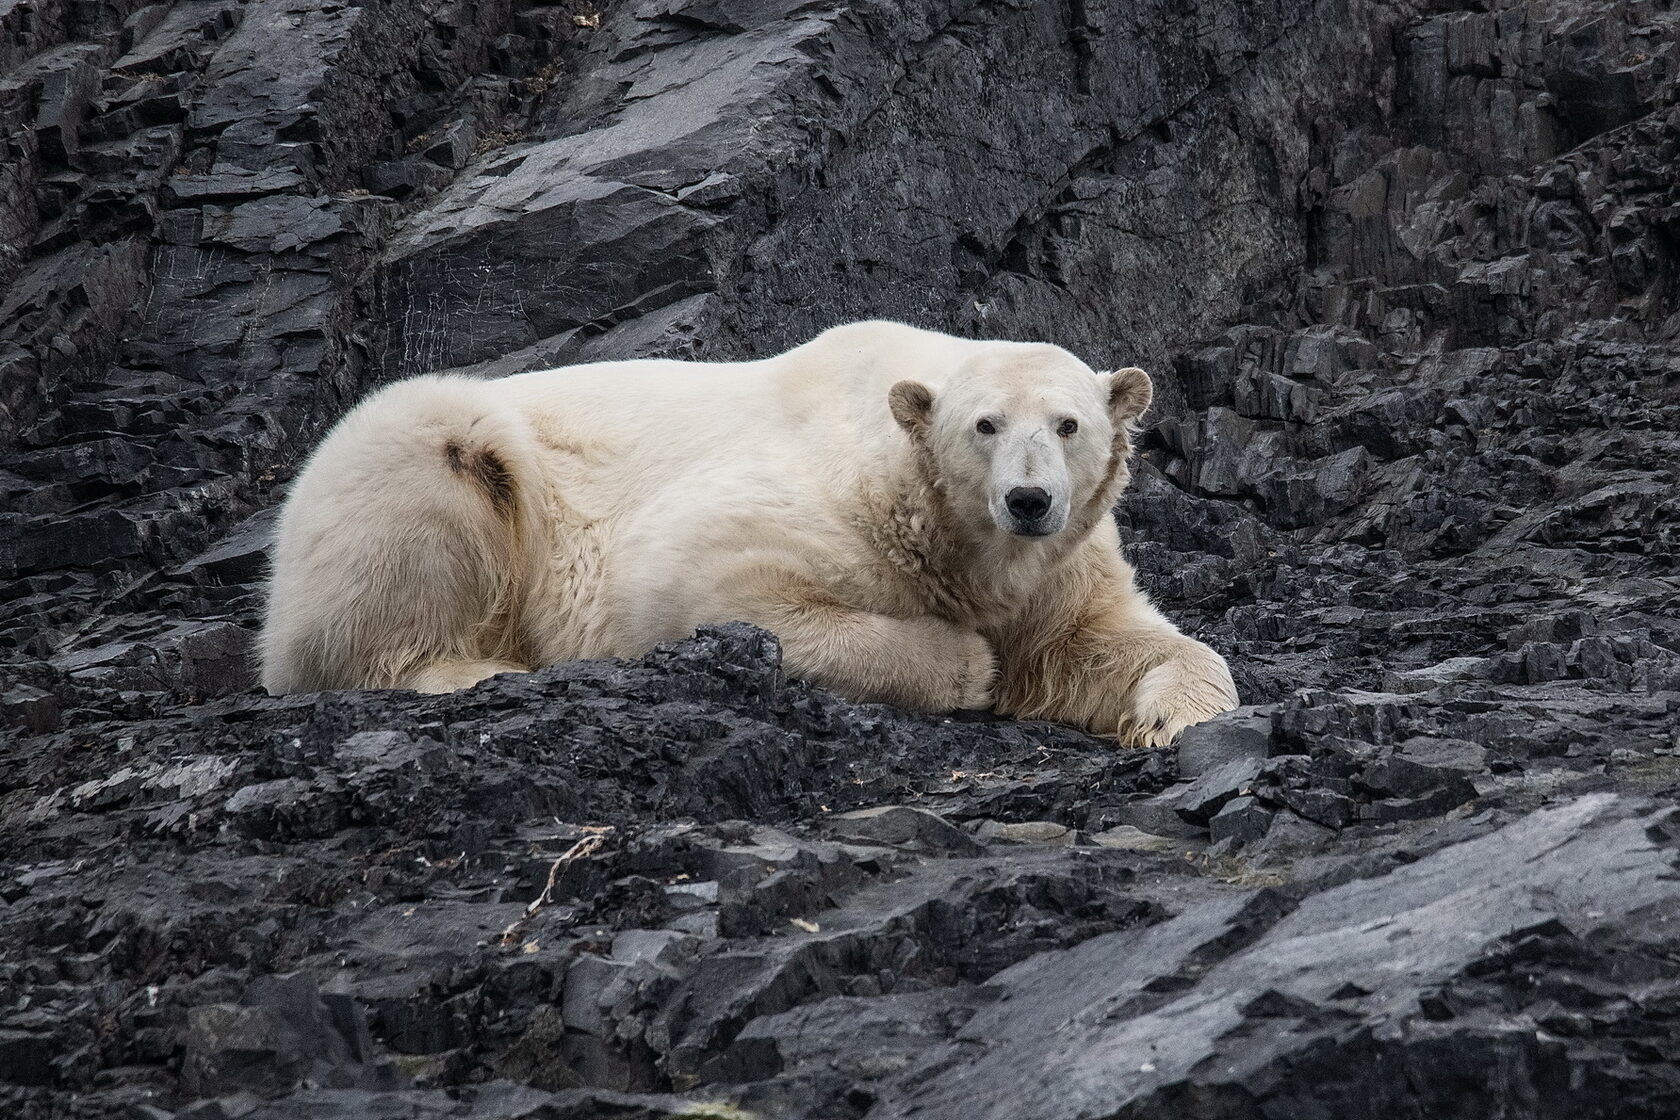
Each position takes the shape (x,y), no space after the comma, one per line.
(1182,690)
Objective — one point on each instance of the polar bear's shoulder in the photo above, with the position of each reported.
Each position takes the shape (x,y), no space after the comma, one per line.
(879,339)
(863,360)
(889,349)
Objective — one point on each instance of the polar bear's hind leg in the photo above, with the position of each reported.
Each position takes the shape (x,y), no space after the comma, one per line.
(449,676)
(401,555)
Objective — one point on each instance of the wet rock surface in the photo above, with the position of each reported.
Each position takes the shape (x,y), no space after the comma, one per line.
(1406,275)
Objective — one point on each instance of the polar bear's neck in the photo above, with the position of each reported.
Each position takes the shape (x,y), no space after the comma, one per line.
(973,577)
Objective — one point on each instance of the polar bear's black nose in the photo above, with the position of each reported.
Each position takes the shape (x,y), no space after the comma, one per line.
(1028,503)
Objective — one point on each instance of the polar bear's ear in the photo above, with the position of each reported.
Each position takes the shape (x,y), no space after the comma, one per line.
(1129,394)
(912,404)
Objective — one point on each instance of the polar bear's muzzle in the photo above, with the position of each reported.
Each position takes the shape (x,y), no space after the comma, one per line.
(1029,483)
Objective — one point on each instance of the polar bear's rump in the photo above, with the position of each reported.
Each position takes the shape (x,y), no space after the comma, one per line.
(402,553)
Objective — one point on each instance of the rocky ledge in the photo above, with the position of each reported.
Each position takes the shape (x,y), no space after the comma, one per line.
(1406,274)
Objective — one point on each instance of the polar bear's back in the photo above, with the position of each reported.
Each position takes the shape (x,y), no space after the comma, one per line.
(655,418)
(660,409)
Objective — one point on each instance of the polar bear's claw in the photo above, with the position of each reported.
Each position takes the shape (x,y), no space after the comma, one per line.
(1181,691)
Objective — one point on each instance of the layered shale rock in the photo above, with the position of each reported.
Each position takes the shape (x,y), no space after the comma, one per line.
(1406,275)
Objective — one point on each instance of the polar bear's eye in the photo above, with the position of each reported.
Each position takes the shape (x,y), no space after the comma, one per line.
(985,427)
(1067,427)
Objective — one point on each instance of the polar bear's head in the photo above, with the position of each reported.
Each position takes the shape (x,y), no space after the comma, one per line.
(1024,437)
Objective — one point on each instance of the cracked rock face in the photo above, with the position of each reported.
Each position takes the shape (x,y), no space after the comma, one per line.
(1408,278)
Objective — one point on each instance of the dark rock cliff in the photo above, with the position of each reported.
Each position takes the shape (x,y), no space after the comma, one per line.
(1407,276)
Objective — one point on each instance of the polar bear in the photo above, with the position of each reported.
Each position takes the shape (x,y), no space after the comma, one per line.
(922,520)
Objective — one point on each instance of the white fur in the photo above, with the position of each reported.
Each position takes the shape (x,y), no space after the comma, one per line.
(450,529)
